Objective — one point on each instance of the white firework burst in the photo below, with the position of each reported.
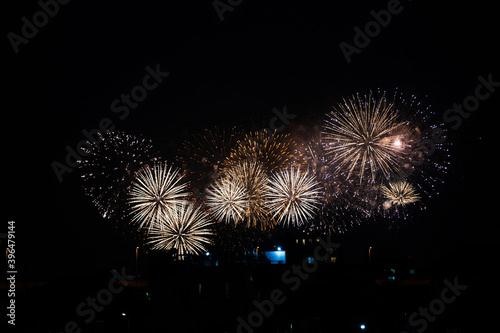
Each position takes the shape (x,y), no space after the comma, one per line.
(252,176)
(292,196)
(185,229)
(365,135)
(399,193)
(227,199)
(156,191)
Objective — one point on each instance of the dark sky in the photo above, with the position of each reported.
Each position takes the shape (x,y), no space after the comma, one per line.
(232,72)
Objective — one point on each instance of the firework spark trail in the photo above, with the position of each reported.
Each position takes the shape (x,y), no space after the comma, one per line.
(227,199)
(186,229)
(110,166)
(292,196)
(157,191)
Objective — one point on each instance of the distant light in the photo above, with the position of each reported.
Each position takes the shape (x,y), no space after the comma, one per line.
(279,248)
(362,326)
(124,314)
(207,253)
(276,257)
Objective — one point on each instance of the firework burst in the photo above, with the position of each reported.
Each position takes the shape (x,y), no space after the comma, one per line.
(292,196)
(365,136)
(273,151)
(156,192)
(227,199)
(399,193)
(186,229)
(109,167)
(252,176)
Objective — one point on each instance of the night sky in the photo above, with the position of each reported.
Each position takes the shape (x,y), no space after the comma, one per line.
(233,73)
